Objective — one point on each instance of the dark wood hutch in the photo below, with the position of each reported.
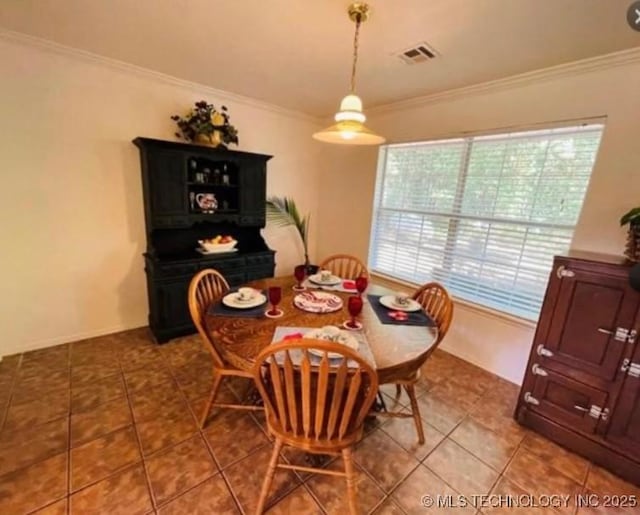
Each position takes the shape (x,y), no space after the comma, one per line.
(173,175)
(582,383)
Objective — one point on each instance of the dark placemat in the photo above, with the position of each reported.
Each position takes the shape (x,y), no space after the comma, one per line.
(415,318)
(218,309)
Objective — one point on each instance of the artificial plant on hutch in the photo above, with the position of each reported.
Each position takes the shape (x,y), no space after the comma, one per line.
(205,124)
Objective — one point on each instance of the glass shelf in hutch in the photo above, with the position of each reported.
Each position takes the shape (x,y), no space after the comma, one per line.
(212,186)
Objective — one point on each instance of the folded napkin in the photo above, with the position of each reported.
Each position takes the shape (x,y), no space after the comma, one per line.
(349,285)
(218,309)
(390,316)
(293,336)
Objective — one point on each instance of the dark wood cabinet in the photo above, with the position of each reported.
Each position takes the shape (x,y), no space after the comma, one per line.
(582,383)
(174,177)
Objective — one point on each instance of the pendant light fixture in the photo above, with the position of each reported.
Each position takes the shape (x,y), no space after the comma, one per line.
(349,128)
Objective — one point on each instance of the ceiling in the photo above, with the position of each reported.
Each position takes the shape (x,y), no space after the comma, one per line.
(297,54)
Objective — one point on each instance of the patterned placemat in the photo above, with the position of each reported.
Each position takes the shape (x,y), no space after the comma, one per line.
(387,316)
(284,332)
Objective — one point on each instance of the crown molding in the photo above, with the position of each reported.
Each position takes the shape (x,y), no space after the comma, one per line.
(574,68)
(146,73)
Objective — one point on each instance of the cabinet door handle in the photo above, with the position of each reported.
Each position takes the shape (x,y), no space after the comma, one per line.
(562,271)
(581,408)
(605,331)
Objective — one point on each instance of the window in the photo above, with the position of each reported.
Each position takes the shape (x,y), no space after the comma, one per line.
(483,215)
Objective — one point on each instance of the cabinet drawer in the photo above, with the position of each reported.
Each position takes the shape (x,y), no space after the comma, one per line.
(259,273)
(260,259)
(568,402)
(223,264)
(175,270)
(235,278)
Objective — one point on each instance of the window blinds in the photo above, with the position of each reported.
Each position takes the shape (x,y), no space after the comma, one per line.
(483,215)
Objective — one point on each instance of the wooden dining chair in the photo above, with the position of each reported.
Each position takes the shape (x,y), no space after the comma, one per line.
(207,287)
(314,404)
(436,303)
(345,266)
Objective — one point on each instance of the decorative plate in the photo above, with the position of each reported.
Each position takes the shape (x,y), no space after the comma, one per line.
(332,281)
(332,334)
(232,300)
(389,301)
(317,302)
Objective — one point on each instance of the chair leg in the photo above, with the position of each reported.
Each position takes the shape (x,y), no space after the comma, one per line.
(268,479)
(398,391)
(415,411)
(217,381)
(352,490)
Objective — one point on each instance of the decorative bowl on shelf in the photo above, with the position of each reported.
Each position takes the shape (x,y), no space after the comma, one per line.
(218,244)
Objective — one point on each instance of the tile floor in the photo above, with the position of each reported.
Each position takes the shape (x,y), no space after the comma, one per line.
(108,425)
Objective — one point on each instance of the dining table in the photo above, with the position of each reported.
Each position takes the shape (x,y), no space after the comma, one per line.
(397,349)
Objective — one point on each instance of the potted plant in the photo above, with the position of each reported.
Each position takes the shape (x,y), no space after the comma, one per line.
(632,218)
(282,211)
(205,124)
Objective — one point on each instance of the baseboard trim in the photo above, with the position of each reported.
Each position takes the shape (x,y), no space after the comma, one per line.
(58,340)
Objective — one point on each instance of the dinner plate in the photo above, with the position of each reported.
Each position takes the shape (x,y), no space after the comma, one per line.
(317,302)
(389,301)
(336,336)
(231,300)
(332,281)
(205,252)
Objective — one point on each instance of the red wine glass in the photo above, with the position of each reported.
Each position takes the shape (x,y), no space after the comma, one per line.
(361,284)
(354,305)
(275,296)
(299,273)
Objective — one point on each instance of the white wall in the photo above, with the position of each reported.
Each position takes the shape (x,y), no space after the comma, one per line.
(493,342)
(71,215)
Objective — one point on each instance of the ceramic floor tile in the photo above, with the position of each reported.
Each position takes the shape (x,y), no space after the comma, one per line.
(97,459)
(57,508)
(537,477)
(387,462)
(416,493)
(558,457)
(604,482)
(461,469)
(246,476)
(169,428)
(297,501)
(51,406)
(211,497)
(105,418)
(403,431)
(179,468)
(331,491)
(439,413)
(32,444)
(232,435)
(123,493)
(87,374)
(456,394)
(505,494)
(88,396)
(389,507)
(146,379)
(495,450)
(33,487)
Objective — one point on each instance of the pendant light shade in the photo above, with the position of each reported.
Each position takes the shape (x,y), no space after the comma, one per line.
(349,128)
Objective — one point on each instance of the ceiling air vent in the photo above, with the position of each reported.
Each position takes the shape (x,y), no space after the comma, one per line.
(417,54)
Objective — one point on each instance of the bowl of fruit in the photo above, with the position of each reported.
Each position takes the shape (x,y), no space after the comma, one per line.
(219,243)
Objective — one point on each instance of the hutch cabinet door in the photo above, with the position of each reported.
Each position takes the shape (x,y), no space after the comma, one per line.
(625,421)
(566,401)
(253,190)
(172,304)
(589,317)
(168,183)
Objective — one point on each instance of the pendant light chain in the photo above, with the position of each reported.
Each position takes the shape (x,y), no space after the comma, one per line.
(355,54)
